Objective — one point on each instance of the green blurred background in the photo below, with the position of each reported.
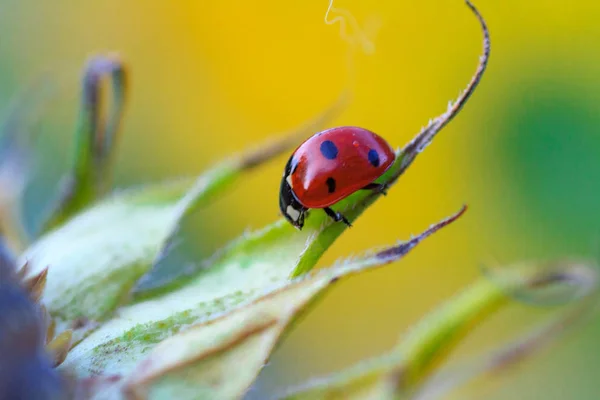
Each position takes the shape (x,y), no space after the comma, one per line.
(212,78)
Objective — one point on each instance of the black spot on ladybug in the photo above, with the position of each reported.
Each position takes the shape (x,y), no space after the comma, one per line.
(373,158)
(330,184)
(329,150)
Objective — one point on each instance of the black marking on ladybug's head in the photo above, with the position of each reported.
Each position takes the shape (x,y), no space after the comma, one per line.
(330,184)
(373,158)
(329,150)
(289,205)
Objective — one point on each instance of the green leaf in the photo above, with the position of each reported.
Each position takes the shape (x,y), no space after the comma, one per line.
(96,138)
(96,257)
(404,371)
(240,328)
(197,363)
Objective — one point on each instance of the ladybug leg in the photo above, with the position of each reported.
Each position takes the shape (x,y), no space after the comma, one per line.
(337,216)
(377,188)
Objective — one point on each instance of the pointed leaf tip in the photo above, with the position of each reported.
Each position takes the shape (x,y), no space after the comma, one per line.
(96,138)
(402,249)
(36,284)
(59,347)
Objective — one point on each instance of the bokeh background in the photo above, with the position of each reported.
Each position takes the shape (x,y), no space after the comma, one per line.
(210,78)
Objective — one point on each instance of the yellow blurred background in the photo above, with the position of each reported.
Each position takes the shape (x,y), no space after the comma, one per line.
(212,78)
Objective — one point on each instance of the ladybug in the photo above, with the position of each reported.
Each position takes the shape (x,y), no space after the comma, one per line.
(330,166)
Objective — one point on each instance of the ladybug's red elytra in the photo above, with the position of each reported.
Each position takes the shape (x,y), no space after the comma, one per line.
(330,166)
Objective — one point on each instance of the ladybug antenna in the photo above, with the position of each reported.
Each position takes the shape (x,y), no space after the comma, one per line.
(427,134)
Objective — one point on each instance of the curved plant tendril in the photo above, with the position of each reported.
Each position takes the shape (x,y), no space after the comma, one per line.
(96,138)
(405,370)
(424,138)
(326,232)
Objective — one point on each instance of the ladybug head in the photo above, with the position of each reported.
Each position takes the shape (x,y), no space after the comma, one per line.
(294,216)
(289,205)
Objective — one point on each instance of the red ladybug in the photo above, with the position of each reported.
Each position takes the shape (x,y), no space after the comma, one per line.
(330,166)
